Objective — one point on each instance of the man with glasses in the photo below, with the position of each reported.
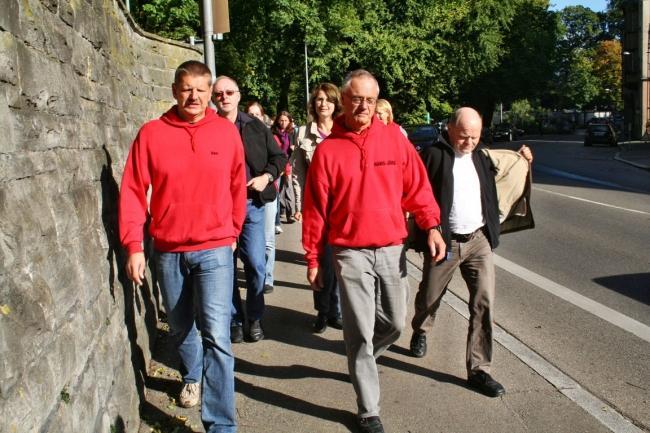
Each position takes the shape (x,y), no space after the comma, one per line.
(363,177)
(192,162)
(264,163)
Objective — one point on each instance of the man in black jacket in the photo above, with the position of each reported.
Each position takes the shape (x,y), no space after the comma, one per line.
(264,163)
(462,179)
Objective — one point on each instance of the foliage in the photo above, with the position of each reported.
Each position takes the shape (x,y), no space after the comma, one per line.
(428,55)
(174,19)
(522,112)
(527,63)
(607,68)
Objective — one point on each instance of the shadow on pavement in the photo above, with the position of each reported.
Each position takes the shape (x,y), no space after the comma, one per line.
(290,257)
(284,401)
(294,371)
(635,286)
(294,328)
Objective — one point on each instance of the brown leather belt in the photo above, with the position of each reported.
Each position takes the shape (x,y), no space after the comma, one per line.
(462,238)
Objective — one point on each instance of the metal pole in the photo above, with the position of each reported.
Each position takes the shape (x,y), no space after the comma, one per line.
(306,77)
(208,43)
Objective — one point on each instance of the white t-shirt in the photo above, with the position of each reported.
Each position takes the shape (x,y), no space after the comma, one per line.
(466,214)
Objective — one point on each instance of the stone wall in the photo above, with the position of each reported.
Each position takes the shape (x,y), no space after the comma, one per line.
(77,79)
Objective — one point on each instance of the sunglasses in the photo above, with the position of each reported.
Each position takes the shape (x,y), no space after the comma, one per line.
(219,95)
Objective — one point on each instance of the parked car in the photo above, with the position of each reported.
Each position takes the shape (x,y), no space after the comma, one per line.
(506,132)
(422,135)
(600,133)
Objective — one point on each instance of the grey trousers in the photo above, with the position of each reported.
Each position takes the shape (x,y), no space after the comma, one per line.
(374,295)
(475,260)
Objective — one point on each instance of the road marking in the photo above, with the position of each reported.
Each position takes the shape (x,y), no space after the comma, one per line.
(590,201)
(600,410)
(597,309)
(565,174)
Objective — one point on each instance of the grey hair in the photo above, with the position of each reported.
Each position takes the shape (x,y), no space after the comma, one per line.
(225,77)
(455,116)
(357,73)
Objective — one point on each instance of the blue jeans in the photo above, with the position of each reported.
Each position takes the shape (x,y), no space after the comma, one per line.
(327,301)
(251,250)
(270,211)
(202,278)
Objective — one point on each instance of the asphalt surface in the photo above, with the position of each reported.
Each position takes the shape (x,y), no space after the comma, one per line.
(566,369)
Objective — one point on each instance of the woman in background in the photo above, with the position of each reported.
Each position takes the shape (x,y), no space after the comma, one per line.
(284,134)
(324,105)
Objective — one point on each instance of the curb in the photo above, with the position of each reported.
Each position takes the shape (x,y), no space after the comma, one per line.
(618,157)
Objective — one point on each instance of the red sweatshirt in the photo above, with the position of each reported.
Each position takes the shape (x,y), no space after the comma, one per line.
(198,184)
(358,188)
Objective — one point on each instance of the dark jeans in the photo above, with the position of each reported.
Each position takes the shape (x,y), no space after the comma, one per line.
(328,300)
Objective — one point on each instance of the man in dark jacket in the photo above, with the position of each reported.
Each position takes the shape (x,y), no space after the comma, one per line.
(264,163)
(462,179)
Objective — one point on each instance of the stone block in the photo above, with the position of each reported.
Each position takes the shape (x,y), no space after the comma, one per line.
(8,58)
(76,84)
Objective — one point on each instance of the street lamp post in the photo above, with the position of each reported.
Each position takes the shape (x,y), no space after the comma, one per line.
(306,77)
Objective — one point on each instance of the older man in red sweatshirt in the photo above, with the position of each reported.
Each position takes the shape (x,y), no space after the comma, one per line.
(361,181)
(193,162)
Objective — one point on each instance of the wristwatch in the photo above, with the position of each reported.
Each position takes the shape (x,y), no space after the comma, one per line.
(437,228)
(270,176)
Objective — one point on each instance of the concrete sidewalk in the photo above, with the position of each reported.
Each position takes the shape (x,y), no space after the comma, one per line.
(297,381)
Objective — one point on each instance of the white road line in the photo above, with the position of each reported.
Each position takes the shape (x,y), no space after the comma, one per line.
(603,412)
(536,188)
(599,310)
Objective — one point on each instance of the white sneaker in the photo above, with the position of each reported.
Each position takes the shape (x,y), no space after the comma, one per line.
(278,230)
(190,394)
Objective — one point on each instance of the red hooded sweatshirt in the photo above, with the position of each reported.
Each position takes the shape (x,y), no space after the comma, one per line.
(358,188)
(198,184)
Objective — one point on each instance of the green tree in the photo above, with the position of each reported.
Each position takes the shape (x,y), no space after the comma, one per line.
(607,69)
(527,60)
(174,19)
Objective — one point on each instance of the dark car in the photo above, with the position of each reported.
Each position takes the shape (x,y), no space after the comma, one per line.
(422,135)
(600,133)
(506,132)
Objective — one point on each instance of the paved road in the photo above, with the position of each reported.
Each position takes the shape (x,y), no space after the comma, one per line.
(593,238)
(566,293)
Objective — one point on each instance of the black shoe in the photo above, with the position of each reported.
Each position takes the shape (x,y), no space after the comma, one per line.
(483,382)
(335,322)
(372,424)
(320,324)
(268,289)
(236,333)
(255,332)
(418,345)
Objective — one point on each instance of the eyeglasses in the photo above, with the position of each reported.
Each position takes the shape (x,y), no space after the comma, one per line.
(219,95)
(357,100)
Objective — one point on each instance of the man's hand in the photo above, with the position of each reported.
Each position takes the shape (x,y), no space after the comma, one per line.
(298,216)
(436,245)
(315,278)
(258,183)
(526,153)
(135,267)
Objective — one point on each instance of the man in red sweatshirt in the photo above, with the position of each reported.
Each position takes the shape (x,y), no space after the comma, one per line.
(192,161)
(361,181)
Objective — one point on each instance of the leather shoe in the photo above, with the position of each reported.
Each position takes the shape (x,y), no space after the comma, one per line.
(335,322)
(268,289)
(371,424)
(236,333)
(418,345)
(255,332)
(483,382)
(320,324)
